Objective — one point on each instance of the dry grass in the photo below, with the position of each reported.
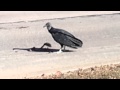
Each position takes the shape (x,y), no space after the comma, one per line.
(102,72)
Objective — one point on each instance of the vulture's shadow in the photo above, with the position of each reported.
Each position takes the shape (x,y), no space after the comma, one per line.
(41,49)
(34,49)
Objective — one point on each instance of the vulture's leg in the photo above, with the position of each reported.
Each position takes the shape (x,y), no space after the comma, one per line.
(64,47)
(60,50)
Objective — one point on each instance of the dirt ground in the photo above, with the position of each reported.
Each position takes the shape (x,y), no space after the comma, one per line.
(99,33)
(111,71)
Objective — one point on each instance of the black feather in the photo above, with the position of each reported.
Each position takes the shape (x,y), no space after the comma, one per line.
(64,38)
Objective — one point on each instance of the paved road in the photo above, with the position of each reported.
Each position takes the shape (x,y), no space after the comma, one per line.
(16,16)
(100,34)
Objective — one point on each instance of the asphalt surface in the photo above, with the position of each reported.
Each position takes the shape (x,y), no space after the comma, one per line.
(100,35)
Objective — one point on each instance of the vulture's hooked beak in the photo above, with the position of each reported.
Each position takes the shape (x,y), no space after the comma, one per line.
(44,26)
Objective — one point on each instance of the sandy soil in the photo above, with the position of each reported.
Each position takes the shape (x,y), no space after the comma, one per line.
(100,35)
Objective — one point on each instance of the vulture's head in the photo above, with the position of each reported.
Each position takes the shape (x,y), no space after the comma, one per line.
(48,25)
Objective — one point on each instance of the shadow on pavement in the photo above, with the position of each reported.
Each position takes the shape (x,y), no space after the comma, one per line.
(41,49)
(34,49)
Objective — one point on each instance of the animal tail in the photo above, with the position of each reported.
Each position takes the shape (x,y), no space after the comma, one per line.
(76,41)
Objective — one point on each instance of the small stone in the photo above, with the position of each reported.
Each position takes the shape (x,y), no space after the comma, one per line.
(58,74)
